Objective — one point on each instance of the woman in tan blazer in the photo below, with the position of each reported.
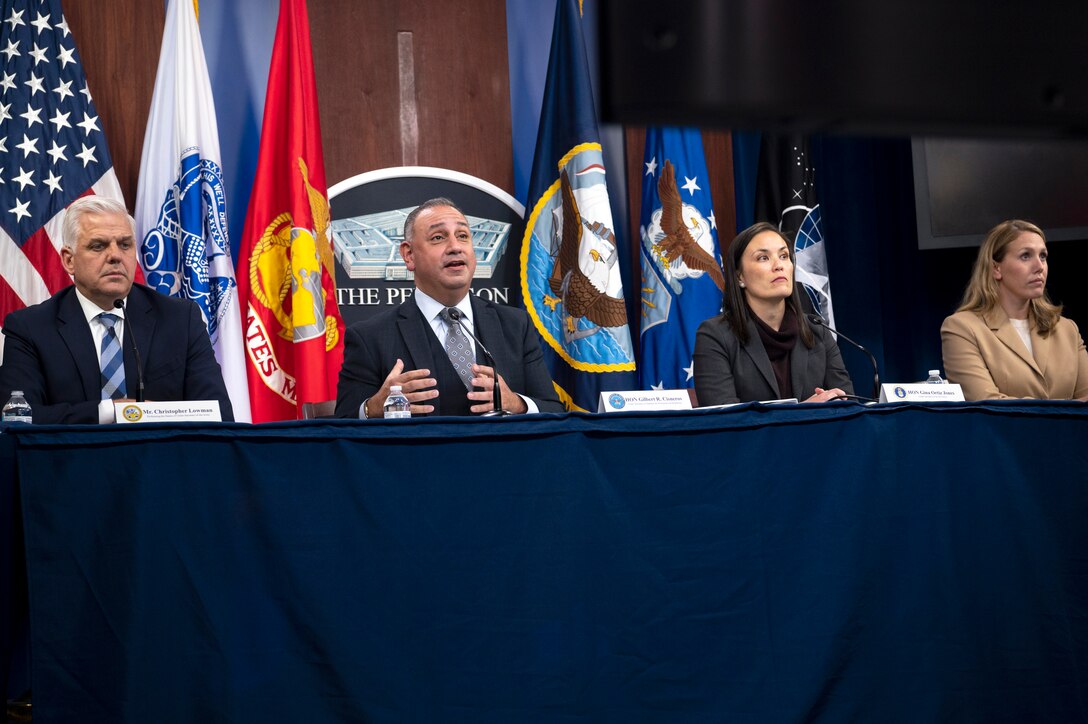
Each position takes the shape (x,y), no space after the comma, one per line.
(1008,339)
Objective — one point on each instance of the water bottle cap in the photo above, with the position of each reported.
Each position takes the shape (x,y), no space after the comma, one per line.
(16,393)
(935,372)
(394,389)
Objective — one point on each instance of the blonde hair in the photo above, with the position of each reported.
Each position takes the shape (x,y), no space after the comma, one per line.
(981,293)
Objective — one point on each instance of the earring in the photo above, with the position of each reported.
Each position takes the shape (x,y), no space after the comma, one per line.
(742,285)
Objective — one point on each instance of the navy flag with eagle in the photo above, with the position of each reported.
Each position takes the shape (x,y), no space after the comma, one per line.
(570,273)
(682,280)
(786,196)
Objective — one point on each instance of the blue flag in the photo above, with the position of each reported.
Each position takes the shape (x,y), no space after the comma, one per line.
(570,273)
(682,279)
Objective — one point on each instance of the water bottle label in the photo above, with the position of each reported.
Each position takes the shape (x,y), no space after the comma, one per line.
(396,406)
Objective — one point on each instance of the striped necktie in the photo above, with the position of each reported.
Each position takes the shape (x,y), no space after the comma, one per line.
(111,360)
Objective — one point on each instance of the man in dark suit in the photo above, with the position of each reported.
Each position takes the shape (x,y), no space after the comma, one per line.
(414,345)
(73,363)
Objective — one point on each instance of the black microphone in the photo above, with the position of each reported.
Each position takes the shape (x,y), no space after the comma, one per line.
(496,392)
(120,304)
(819,321)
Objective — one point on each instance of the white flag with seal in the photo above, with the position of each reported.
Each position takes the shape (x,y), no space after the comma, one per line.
(181,210)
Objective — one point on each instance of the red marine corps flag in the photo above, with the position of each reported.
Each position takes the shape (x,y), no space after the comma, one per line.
(293,329)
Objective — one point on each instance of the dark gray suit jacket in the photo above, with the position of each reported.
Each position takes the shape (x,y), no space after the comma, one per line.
(372,348)
(49,354)
(727,372)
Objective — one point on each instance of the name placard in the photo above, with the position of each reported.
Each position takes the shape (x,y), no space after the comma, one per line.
(191,411)
(921,392)
(643,400)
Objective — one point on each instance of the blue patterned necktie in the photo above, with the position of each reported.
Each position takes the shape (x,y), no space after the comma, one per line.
(111,360)
(458,348)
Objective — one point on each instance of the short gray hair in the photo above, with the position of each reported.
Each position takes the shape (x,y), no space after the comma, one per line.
(90,205)
(429,204)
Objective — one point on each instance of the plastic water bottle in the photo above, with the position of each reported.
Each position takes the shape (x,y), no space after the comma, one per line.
(18,409)
(396,406)
(935,378)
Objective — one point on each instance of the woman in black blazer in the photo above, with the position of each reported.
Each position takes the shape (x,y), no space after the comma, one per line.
(761,347)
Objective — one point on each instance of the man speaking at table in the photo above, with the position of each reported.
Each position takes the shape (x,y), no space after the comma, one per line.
(426,344)
(73,354)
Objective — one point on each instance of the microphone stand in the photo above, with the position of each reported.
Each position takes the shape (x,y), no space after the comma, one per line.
(120,304)
(819,321)
(496,391)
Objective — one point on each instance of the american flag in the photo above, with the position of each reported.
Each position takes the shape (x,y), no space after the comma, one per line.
(52,149)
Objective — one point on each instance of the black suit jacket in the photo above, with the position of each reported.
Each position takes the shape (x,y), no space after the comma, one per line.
(372,348)
(726,371)
(50,355)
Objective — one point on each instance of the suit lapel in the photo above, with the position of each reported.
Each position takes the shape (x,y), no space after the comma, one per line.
(800,359)
(488,329)
(76,333)
(758,354)
(1041,347)
(140,324)
(414,330)
(1002,328)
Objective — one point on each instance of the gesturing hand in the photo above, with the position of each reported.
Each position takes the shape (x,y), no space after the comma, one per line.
(484,378)
(417,385)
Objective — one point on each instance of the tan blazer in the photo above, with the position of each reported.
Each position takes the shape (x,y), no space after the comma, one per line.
(985,355)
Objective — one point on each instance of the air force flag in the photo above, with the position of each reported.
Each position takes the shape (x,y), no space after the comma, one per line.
(180,205)
(682,280)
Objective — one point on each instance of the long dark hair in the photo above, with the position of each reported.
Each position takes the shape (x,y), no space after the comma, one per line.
(734,304)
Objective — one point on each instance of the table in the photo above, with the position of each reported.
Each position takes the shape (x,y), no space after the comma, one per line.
(787,563)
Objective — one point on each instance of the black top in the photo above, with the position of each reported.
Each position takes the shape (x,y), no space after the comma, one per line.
(779,343)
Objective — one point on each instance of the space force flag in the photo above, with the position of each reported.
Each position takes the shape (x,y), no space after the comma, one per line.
(682,279)
(181,209)
(570,274)
(786,196)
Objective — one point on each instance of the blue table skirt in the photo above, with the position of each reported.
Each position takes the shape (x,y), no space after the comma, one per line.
(759,564)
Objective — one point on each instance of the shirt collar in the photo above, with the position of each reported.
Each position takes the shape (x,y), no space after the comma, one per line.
(92,310)
(431,308)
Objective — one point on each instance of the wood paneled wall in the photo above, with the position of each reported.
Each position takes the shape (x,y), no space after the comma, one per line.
(459,72)
(462,85)
(118,41)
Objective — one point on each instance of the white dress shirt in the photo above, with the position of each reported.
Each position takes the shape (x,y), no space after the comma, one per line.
(106,411)
(432,312)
